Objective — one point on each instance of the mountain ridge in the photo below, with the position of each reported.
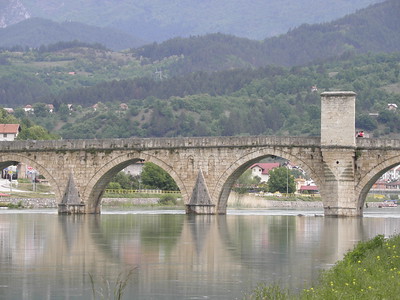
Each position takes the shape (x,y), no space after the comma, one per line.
(35,32)
(158,20)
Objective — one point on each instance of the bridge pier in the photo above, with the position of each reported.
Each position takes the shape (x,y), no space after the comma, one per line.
(338,191)
(71,202)
(200,202)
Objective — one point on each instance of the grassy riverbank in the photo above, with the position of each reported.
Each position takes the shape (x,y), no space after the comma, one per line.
(370,271)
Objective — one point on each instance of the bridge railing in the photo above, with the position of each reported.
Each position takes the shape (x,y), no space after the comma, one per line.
(141,191)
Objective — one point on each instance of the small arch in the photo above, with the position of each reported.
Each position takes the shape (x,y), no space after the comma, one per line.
(8,159)
(367,181)
(96,185)
(226,180)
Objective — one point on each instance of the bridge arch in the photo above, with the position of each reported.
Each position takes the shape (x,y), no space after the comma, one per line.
(366,182)
(94,190)
(227,179)
(30,161)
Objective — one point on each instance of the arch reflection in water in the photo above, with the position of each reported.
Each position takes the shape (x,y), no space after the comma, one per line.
(174,256)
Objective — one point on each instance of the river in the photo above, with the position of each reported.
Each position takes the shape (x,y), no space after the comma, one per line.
(171,255)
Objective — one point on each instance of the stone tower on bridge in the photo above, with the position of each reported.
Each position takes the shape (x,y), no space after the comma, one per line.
(338,145)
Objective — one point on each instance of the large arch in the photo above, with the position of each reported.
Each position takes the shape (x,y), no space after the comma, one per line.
(370,177)
(4,158)
(97,183)
(227,179)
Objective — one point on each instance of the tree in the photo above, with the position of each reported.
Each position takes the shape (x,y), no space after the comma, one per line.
(124,181)
(153,177)
(281,180)
(6,118)
(35,132)
(245,181)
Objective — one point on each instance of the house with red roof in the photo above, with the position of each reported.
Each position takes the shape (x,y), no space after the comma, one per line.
(8,132)
(262,170)
(309,189)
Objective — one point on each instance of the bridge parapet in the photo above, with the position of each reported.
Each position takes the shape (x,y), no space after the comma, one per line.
(159,143)
(378,144)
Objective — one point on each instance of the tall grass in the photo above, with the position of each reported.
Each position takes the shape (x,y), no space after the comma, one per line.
(370,271)
(104,289)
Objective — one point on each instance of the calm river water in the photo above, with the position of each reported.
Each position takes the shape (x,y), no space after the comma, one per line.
(172,255)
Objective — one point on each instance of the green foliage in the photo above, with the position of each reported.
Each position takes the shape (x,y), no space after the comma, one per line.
(114,185)
(167,200)
(110,288)
(124,181)
(281,180)
(252,102)
(35,132)
(6,118)
(154,177)
(370,271)
(361,250)
(267,292)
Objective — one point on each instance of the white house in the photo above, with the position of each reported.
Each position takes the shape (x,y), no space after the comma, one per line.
(134,169)
(262,170)
(29,109)
(8,132)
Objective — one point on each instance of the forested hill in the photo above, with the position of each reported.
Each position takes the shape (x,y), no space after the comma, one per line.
(374,29)
(271,100)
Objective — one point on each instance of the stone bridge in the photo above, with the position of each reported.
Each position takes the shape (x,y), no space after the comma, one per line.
(205,169)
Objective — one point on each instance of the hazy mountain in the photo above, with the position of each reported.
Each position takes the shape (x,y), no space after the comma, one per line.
(160,20)
(373,29)
(11,12)
(35,32)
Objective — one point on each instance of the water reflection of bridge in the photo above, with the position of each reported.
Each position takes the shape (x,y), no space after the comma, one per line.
(176,248)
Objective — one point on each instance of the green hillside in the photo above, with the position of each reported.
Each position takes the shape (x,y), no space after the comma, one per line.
(212,85)
(266,101)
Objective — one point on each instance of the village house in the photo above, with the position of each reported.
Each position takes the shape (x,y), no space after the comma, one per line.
(9,110)
(391,175)
(29,109)
(309,189)
(8,132)
(123,106)
(50,108)
(262,170)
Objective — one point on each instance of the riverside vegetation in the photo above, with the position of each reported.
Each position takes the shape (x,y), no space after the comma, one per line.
(370,271)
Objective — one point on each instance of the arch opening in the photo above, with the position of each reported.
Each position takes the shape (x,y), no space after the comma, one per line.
(131,178)
(383,187)
(24,182)
(269,177)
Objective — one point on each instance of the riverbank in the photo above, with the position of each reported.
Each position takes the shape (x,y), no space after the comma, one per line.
(254,201)
(38,203)
(235,201)
(370,271)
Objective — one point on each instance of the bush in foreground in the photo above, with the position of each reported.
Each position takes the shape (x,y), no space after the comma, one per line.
(370,271)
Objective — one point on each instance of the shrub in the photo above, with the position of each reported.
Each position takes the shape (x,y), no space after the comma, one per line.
(167,200)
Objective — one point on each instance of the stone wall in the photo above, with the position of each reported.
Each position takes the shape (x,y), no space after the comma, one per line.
(51,203)
(252,201)
(32,202)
